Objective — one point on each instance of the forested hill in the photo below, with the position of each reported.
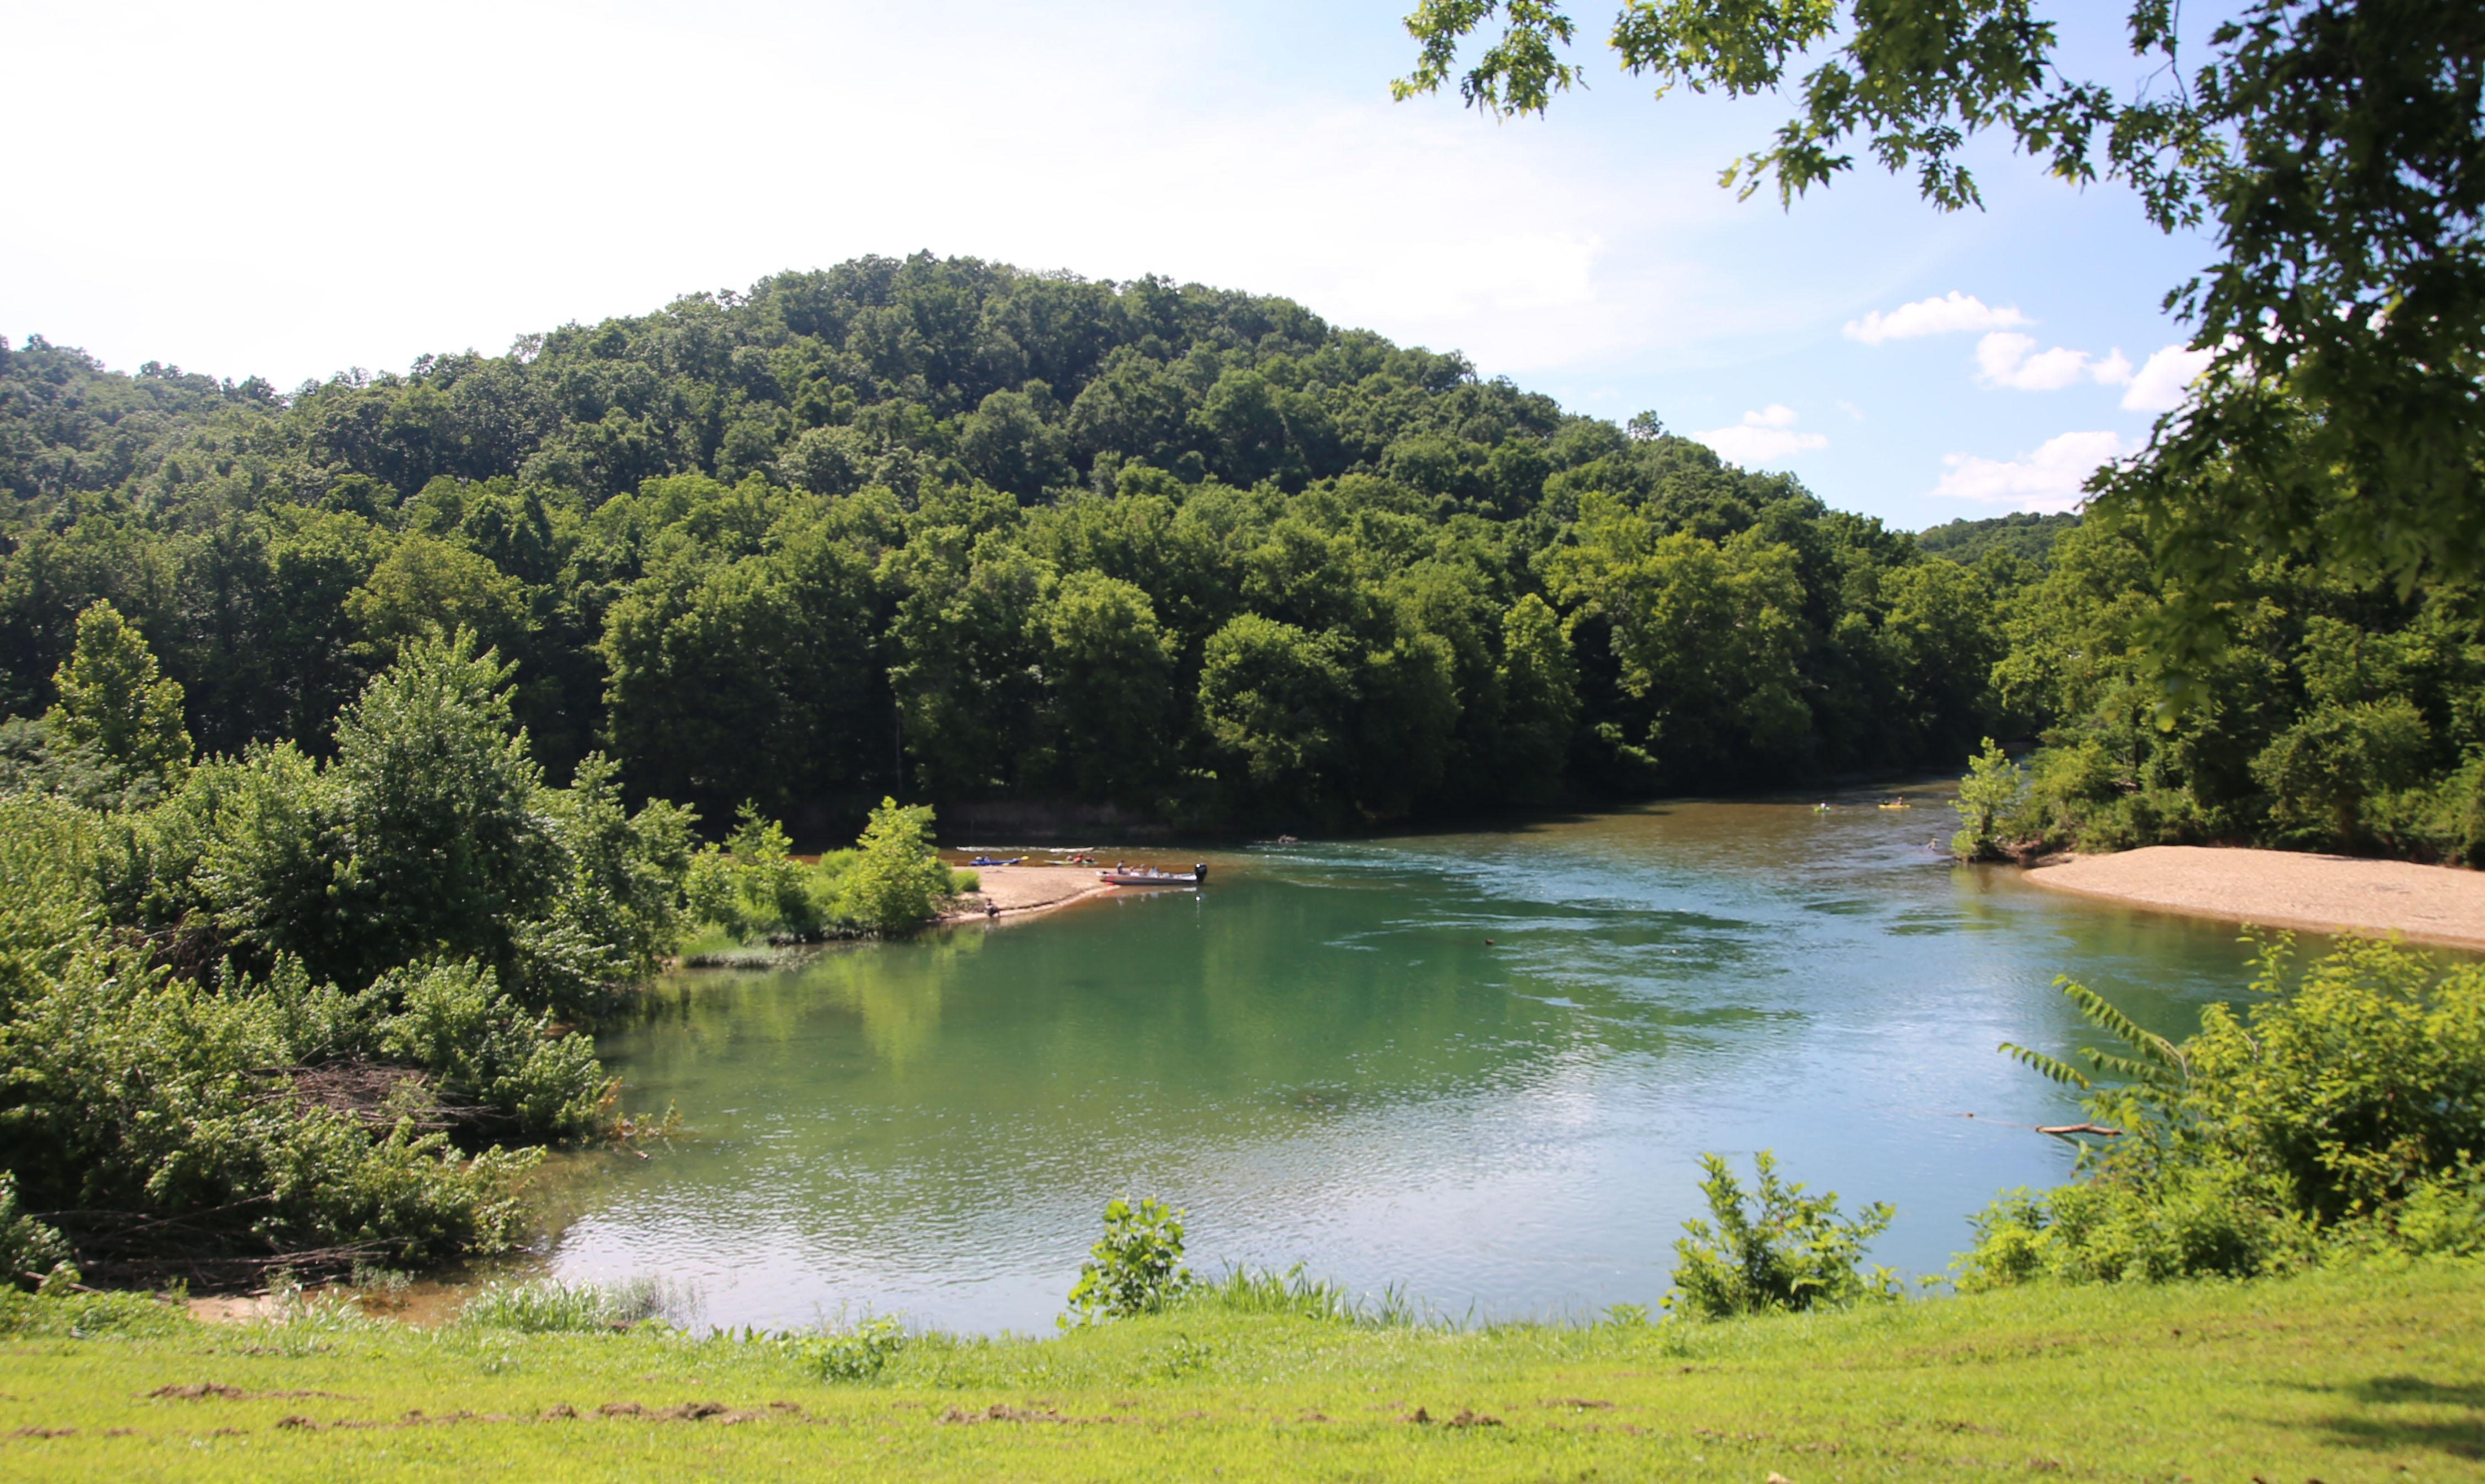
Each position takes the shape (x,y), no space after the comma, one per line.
(943,528)
(2021,533)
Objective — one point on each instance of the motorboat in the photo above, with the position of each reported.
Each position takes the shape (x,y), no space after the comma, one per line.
(1149,876)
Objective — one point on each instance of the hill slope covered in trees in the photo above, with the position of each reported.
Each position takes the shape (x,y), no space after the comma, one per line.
(942,527)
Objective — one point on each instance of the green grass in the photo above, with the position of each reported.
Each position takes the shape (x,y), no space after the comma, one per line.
(2362,1374)
(548,1307)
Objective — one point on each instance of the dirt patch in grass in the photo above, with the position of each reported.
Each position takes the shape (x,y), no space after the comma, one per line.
(195,1390)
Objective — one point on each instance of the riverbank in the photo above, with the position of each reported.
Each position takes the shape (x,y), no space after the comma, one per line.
(2354,1374)
(2441,905)
(1024,891)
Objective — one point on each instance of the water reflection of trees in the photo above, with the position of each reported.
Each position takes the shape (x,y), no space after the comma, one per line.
(1243,1001)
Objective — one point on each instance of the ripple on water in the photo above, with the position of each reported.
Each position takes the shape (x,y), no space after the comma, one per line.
(1322,1060)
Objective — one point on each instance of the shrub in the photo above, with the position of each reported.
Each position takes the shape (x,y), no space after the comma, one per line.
(857,1354)
(1777,1251)
(897,881)
(429,836)
(167,1117)
(1135,1268)
(48,908)
(752,887)
(35,759)
(133,1104)
(454,1021)
(2208,1219)
(1988,797)
(621,888)
(29,1249)
(2321,771)
(182,1080)
(2345,1112)
(2443,1215)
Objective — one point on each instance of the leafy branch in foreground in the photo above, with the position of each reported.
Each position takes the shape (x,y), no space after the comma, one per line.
(2336,149)
(2153,1062)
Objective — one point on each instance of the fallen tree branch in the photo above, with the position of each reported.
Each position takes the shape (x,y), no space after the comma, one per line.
(2057,1130)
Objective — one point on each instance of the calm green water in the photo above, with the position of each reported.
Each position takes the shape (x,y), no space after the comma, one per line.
(1323,1060)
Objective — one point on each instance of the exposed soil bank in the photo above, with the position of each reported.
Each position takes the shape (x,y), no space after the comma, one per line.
(2288,889)
(1025,890)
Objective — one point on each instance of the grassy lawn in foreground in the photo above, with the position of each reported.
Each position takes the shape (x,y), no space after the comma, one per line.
(2366,1374)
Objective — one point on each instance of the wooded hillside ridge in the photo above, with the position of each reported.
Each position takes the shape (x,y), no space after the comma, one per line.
(942,528)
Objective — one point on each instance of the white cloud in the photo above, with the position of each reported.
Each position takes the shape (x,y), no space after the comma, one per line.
(2007,360)
(1767,436)
(2161,382)
(1572,271)
(1950,314)
(2047,479)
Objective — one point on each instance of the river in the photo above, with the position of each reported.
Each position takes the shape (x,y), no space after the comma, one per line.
(1480,1067)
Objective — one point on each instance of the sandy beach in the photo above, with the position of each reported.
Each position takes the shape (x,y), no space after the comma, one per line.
(1025,890)
(2288,889)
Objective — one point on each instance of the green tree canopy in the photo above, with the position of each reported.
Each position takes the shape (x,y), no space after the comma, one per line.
(1275,699)
(114,698)
(897,881)
(424,837)
(1111,696)
(942,528)
(1710,634)
(428,588)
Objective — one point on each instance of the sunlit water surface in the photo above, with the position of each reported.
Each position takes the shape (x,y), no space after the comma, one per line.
(1323,1058)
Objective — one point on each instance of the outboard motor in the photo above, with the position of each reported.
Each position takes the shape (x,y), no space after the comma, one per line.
(1199,872)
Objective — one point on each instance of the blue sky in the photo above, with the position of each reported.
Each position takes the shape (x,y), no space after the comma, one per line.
(290,189)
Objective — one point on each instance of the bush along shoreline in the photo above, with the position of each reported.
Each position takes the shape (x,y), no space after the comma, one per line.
(267,1010)
(2319,1143)
(2338,1119)
(2337,715)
